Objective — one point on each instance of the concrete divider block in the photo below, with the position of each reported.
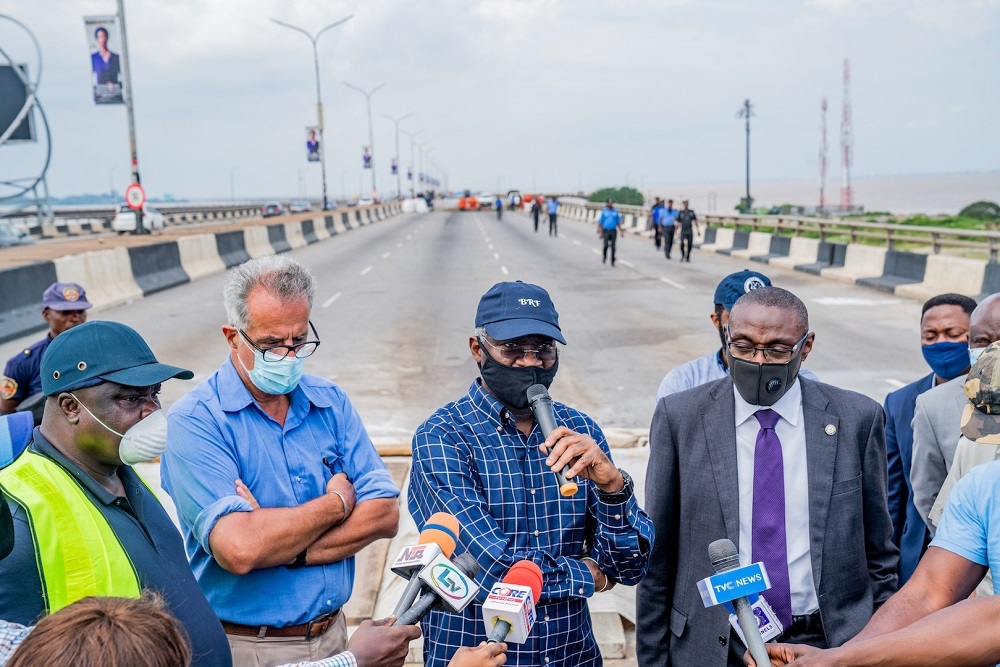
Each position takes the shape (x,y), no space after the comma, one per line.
(256,240)
(861,261)
(948,274)
(357,218)
(800,251)
(157,267)
(294,236)
(231,247)
(21,298)
(723,240)
(758,243)
(105,274)
(276,237)
(740,242)
(328,224)
(345,221)
(319,230)
(200,255)
(901,268)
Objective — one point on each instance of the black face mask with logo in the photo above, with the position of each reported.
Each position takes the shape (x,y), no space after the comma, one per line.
(763,384)
(509,384)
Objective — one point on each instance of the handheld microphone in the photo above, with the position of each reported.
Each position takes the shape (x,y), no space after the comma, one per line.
(541,407)
(449,583)
(726,559)
(509,611)
(439,536)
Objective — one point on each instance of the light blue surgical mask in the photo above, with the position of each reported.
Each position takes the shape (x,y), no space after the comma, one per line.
(275,377)
(974,353)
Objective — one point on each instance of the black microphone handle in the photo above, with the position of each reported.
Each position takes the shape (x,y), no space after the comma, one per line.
(413,588)
(541,407)
(500,631)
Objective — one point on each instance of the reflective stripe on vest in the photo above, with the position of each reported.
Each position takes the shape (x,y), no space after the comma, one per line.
(77,552)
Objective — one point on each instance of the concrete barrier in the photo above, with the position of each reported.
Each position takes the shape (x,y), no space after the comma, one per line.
(200,255)
(232,248)
(157,267)
(105,274)
(345,221)
(801,251)
(860,262)
(950,274)
(901,268)
(257,243)
(21,298)
(317,232)
(740,242)
(357,217)
(778,248)
(330,226)
(723,240)
(828,256)
(758,244)
(293,234)
(276,237)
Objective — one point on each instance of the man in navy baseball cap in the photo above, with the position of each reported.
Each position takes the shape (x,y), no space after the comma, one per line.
(513,310)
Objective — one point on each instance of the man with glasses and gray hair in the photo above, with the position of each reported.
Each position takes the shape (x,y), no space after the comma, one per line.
(484,459)
(791,470)
(260,430)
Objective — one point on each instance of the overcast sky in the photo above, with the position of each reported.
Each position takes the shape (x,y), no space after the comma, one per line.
(546,93)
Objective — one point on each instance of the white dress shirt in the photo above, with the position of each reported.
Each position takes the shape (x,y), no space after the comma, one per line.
(792,433)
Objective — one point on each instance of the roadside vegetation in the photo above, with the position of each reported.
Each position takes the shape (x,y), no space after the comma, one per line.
(626,196)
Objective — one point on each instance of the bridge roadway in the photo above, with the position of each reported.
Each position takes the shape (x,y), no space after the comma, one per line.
(397,299)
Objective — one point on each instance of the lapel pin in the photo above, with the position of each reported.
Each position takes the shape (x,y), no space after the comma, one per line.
(830,429)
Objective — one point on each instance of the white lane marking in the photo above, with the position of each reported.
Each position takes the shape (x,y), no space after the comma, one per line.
(496,256)
(385,255)
(409,236)
(575,242)
(491,246)
(854,301)
(398,246)
(895,383)
(486,238)
(503,269)
(626,263)
(328,302)
(672,283)
(595,251)
(366,270)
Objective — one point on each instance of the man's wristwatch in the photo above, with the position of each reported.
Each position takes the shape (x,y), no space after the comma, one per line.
(300,560)
(618,497)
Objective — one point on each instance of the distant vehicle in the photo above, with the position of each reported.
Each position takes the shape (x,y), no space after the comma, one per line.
(299,207)
(124,220)
(11,235)
(485,200)
(366,202)
(271,209)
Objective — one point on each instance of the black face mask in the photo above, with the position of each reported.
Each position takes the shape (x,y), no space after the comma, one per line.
(763,384)
(509,384)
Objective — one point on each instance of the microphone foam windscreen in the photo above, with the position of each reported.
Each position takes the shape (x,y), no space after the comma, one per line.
(537,391)
(442,529)
(526,573)
(724,555)
(467,564)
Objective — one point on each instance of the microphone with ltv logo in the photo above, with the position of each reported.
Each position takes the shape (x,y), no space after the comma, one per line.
(439,537)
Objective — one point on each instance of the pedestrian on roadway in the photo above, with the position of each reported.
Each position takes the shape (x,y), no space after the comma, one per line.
(498,205)
(609,225)
(668,223)
(74,492)
(944,341)
(536,210)
(278,574)
(655,214)
(552,207)
(791,470)
(686,220)
(64,306)
(484,458)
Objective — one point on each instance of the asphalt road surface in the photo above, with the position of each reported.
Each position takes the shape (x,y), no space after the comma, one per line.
(397,300)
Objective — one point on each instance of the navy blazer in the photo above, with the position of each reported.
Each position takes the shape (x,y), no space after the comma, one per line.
(909,532)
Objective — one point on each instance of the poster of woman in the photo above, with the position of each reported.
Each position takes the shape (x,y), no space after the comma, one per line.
(105,63)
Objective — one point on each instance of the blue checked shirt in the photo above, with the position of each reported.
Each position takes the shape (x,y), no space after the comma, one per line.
(470,460)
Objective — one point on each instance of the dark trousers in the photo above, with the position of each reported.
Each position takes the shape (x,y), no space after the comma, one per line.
(610,238)
(535,215)
(657,236)
(500,213)
(812,638)
(552,225)
(687,240)
(668,240)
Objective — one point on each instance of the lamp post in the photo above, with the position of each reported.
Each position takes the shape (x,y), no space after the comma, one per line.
(420,160)
(412,136)
(746,112)
(319,98)
(371,140)
(396,122)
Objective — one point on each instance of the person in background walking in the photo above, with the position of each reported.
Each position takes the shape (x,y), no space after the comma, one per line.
(608,226)
(536,209)
(552,207)
(655,215)
(668,226)
(687,220)
(498,205)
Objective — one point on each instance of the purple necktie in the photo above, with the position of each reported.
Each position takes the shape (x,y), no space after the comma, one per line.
(768,544)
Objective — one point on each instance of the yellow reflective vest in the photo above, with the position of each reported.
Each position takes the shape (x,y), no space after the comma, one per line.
(76,551)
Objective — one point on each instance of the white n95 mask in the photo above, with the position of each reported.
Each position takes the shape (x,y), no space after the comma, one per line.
(144,441)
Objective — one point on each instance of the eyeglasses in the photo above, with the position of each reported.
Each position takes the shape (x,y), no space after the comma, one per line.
(780,355)
(279,352)
(511,352)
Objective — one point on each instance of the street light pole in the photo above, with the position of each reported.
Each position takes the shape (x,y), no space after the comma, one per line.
(371,140)
(319,99)
(127,97)
(747,112)
(396,122)
(412,136)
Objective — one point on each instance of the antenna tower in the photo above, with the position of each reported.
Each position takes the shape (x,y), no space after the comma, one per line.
(846,142)
(822,155)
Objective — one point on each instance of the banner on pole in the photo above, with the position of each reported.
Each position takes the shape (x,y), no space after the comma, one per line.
(367,157)
(394,166)
(105,61)
(312,143)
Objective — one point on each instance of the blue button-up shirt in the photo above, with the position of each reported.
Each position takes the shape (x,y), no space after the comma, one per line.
(552,206)
(610,218)
(470,460)
(217,434)
(668,218)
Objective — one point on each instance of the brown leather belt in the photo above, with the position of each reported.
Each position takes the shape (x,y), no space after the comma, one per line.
(313,628)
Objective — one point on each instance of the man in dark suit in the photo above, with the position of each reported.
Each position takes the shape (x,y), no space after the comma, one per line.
(944,340)
(791,470)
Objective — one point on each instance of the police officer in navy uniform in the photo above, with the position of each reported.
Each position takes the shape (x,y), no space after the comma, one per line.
(64,306)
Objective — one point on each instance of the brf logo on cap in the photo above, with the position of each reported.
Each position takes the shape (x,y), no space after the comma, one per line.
(534,303)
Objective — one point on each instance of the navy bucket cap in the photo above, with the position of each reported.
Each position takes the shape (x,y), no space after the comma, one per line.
(737,284)
(97,352)
(512,310)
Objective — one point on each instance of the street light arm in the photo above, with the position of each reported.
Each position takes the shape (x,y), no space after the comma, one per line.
(295,28)
(334,25)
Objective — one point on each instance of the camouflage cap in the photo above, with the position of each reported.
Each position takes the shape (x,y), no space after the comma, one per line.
(981,417)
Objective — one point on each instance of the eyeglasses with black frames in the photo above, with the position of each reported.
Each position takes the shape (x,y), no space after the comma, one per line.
(279,352)
(778,355)
(512,352)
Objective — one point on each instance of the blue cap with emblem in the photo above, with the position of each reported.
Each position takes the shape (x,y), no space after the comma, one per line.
(513,310)
(97,352)
(65,296)
(737,284)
